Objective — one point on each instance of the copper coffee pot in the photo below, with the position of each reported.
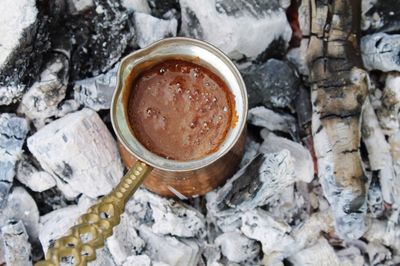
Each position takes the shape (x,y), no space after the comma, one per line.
(160,175)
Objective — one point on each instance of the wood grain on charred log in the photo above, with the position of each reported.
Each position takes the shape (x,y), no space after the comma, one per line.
(338,90)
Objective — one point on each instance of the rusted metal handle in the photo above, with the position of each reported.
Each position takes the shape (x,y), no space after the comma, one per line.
(80,243)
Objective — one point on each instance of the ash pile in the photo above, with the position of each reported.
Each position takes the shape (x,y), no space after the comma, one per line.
(58,153)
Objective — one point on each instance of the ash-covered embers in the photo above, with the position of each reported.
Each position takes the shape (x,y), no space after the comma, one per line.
(23,42)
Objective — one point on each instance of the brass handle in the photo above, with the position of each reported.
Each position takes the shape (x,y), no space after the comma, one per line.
(82,240)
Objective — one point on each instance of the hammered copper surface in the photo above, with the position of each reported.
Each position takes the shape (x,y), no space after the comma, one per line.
(191,183)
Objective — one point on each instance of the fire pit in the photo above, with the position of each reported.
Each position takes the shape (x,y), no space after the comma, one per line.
(319,183)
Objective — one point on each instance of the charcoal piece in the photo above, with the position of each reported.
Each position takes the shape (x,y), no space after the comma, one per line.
(21,206)
(150,29)
(42,102)
(381,51)
(380,16)
(160,7)
(242,29)
(32,177)
(17,249)
(238,248)
(170,250)
(136,6)
(23,40)
(256,184)
(125,241)
(266,85)
(99,36)
(96,93)
(238,9)
(13,131)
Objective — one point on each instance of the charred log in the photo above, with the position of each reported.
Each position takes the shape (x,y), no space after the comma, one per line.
(338,90)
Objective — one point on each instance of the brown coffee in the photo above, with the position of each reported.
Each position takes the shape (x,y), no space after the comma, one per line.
(180,110)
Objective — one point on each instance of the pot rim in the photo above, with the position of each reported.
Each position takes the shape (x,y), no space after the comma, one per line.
(208,55)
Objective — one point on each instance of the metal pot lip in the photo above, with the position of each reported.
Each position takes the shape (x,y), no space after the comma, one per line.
(122,128)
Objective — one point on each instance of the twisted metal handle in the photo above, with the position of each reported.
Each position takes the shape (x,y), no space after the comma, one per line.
(81,241)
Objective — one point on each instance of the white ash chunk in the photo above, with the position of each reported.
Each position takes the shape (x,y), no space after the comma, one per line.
(298,56)
(140,260)
(321,253)
(381,51)
(150,29)
(170,250)
(273,121)
(390,104)
(125,241)
(17,249)
(382,233)
(250,151)
(55,224)
(211,254)
(20,206)
(256,184)
(136,5)
(89,162)
(170,216)
(238,248)
(378,254)
(273,234)
(380,160)
(13,131)
(96,93)
(32,177)
(78,6)
(302,160)
(351,256)
(103,258)
(380,16)
(42,101)
(17,24)
(239,28)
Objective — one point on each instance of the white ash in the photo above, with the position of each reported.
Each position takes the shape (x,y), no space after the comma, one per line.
(390,103)
(20,206)
(170,250)
(273,234)
(256,184)
(136,5)
(56,223)
(321,253)
(13,131)
(169,216)
(244,28)
(379,155)
(351,256)
(42,101)
(125,241)
(211,254)
(250,151)
(273,121)
(96,93)
(303,163)
(139,260)
(78,6)
(380,16)
(298,56)
(375,202)
(16,247)
(150,29)
(238,248)
(92,164)
(32,177)
(377,253)
(381,51)
(103,258)
(381,232)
